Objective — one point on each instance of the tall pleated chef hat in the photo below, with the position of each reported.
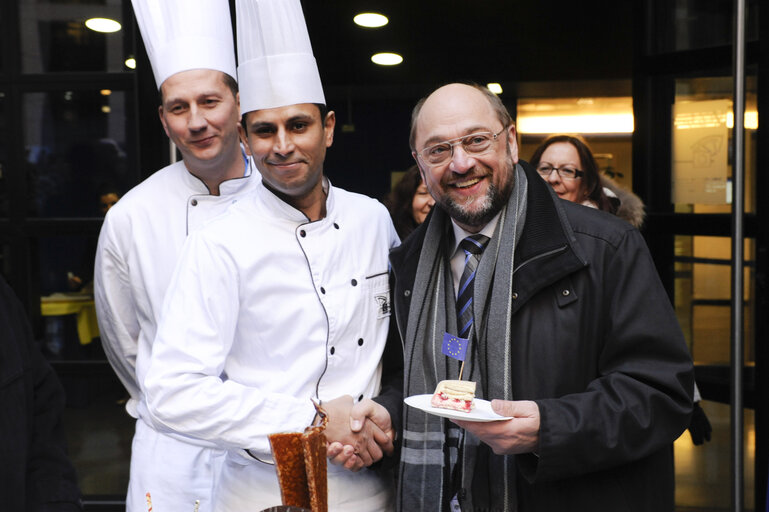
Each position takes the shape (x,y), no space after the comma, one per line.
(181,35)
(276,66)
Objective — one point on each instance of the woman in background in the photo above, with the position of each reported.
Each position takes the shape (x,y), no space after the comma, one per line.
(409,202)
(566,162)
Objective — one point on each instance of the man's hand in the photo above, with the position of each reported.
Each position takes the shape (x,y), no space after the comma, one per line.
(371,422)
(363,446)
(518,435)
(370,410)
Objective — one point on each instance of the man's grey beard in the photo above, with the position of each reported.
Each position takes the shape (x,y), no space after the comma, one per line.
(494,200)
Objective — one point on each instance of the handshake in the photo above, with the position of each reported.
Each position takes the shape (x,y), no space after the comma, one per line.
(357,434)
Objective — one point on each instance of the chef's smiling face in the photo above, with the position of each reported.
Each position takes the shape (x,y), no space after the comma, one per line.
(200,115)
(472,188)
(288,145)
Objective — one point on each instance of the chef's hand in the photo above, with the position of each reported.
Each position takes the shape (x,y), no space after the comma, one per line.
(365,416)
(354,450)
(343,455)
(368,411)
(518,435)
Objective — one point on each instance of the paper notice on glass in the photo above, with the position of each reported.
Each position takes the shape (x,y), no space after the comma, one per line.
(700,151)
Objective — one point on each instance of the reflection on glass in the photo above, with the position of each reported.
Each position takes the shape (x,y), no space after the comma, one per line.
(3,158)
(66,297)
(99,434)
(5,260)
(696,24)
(54,36)
(703,480)
(702,125)
(702,296)
(98,430)
(75,144)
(3,30)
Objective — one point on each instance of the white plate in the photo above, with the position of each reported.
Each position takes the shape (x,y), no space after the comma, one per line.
(481,412)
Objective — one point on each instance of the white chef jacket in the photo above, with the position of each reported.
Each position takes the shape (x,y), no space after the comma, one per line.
(139,244)
(266,311)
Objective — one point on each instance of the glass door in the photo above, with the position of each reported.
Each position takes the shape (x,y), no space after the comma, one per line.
(682,168)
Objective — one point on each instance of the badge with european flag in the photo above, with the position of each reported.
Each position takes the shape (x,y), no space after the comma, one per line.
(454,346)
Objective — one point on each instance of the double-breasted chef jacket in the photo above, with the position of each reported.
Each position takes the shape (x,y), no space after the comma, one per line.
(139,245)
(267,311)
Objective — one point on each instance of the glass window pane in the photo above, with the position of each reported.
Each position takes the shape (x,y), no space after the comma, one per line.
(3,30)
(3,157)
(697,24)
(54,36)
(703,120)
(5,259)
(605,122)
(76,147)
(702,474)
(98,431)
(66,297)
(702,297)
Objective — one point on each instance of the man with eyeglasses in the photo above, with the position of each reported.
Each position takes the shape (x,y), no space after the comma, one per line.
(571,335)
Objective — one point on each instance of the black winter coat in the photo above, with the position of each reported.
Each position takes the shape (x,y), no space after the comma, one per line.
(597,346)
(35,473)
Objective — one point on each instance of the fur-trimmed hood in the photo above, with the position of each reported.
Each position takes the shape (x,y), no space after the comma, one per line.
(631,208)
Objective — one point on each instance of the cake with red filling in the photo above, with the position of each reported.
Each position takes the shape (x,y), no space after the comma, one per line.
(457,395)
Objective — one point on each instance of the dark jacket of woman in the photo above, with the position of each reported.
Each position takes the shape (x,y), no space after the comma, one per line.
(35,473)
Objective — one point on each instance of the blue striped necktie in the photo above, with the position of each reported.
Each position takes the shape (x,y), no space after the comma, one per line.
(473,246)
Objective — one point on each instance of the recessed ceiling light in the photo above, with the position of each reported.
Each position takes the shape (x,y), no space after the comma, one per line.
(386,59)
(370,19)
(130,63)
(494,87)
(102,25)
(105,92)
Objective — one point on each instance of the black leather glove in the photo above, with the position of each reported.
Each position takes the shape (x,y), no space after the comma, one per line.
(699,426)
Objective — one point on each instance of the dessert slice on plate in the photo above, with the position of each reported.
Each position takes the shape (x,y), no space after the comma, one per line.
(457,395)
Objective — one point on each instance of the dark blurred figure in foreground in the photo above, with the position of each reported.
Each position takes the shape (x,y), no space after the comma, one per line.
(35,474)
(409,202)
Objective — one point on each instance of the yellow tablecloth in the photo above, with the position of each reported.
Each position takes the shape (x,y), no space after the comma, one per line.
(73,304)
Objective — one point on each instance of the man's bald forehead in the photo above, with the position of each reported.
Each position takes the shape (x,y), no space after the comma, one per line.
(446,101)
(454,99)
(450,96)
(451,91)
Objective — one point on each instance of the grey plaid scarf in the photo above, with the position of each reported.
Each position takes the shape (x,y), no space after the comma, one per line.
(424,484)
